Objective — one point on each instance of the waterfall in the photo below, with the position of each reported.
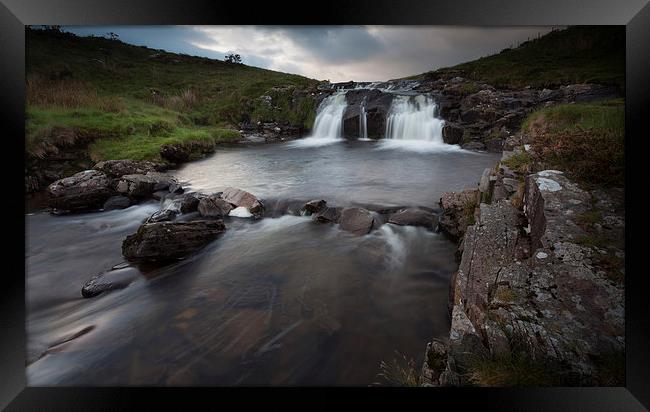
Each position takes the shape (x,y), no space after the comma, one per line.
(329,117)
(414,118)
(328,126)
(363,121)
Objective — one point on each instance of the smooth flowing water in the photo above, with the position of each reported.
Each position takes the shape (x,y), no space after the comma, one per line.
(279,301)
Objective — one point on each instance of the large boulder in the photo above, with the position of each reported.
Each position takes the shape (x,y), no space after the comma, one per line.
(165,241)
(119,168)
(214,206)
(87,190)
(241,198)
(452,133)
(356,220)
(414,217)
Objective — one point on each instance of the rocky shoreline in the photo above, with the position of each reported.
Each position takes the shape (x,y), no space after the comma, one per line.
(534,294)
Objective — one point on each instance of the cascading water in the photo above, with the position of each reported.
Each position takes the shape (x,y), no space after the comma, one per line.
(328,126)
(329,118)
(413,118)
(363,121)
(412,125)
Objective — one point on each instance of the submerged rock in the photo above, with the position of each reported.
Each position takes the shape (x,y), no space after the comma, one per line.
(111,280)
(87,190)
(170,240)
(356,220)
(241,198)
(414,217)
(313,206)
(214,206)
(328,215)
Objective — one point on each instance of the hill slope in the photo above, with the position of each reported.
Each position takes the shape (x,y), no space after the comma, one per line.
(578,54)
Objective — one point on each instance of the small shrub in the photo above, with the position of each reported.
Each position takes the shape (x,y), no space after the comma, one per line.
(517,370)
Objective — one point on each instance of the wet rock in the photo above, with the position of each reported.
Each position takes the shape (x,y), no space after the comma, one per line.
(313,206)
(240,212)
(414,217)
(119,168)
(241,198)
(452,133)
(87,190)
(356,220)
(214,206)
(111,280)
(163,241)
(117,202)
(328,215)
(189,203)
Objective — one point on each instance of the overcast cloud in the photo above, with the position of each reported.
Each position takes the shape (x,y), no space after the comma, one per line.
(335,53)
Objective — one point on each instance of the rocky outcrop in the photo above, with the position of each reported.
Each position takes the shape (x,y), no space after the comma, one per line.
(414,217)
(164,241)
(377,105)
(532,284)
(241,198)
(356,220)
(84,191)
(457,212)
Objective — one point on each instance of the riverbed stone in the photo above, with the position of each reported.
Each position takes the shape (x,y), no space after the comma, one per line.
(162,216)
(110,280)
(163,241)
(87,190)
(214,206)
(356,220)
(241,198)
(313,206)
(414,217)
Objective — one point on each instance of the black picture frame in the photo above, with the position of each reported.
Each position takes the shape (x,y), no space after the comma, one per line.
(16,14)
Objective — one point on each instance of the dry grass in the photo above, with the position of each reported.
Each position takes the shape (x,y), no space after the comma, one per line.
(67,94)
(187,100)
(400,371)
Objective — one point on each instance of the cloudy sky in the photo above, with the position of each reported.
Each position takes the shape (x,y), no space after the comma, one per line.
(360,53)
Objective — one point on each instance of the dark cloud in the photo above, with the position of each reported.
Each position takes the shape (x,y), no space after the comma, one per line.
(337,53)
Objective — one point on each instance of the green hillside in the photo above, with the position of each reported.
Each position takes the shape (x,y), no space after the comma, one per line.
(578,54)
(140,98)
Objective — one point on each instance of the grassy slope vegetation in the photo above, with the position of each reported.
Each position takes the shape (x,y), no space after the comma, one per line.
(587,140)
(130,100)
(578,54)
